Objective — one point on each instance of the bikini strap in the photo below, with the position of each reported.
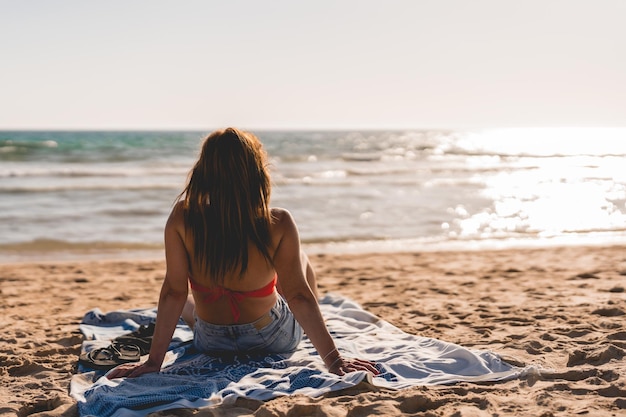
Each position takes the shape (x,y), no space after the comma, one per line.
(234,297)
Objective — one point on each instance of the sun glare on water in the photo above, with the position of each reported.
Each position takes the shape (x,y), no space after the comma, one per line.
(549,141)
(549,183)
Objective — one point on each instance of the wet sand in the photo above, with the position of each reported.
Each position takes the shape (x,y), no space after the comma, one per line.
(561,308)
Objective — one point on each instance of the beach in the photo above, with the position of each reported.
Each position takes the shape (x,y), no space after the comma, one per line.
(562,309)
(455,171)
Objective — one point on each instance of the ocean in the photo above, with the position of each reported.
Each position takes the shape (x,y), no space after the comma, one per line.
(105,193)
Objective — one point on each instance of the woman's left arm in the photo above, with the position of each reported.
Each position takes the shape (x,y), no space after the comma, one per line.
(303,303)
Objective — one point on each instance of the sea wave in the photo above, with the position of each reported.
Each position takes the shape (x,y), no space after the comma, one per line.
(55,188)
(51,245)
(442,243)
(8,145)
(515,154)
(84,170)
(130,212)
(539,142)
(59,250)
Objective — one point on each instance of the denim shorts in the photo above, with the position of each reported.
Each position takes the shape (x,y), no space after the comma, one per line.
(275,332)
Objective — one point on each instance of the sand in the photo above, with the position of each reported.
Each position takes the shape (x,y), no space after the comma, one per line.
(561,308)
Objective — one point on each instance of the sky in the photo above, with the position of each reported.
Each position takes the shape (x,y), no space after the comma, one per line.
(342,64)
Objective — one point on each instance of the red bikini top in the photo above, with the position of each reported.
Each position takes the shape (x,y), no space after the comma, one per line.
(234,297)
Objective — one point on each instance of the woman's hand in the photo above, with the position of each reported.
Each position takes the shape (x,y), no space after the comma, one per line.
(341,366)
(133,370)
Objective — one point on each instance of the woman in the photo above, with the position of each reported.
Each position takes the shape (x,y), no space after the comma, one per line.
(252,288)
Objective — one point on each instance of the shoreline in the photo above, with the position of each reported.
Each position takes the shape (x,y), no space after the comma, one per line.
(348,247)
(562,308)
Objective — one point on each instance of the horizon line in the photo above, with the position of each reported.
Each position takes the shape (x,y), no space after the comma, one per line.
(304,128)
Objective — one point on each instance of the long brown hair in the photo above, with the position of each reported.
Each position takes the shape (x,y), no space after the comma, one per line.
(226,203)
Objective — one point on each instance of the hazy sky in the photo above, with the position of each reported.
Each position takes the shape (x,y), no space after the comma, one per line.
(316,64)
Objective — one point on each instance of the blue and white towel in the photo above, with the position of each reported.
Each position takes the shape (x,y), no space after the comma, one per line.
(190,379)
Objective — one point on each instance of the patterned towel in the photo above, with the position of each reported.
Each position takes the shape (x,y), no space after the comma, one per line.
(190,379)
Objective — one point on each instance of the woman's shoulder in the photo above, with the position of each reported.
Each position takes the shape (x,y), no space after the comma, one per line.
(177,215)
(280,216)
(282,221)
(283,227)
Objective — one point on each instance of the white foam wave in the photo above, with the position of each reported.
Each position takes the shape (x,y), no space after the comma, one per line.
(13,171)
(51,188)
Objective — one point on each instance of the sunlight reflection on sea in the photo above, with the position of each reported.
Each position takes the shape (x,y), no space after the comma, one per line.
(547,182)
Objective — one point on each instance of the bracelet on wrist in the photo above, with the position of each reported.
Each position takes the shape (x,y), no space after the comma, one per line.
(328,354)
(332,365)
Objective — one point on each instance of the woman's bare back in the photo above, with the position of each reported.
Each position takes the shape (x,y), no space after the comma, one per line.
(258,275)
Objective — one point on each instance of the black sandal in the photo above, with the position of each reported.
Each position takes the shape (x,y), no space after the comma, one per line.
(142,338)
(111,356)
(123,349)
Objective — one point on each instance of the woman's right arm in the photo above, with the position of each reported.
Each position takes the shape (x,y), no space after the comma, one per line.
(303,303)
(171,300)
